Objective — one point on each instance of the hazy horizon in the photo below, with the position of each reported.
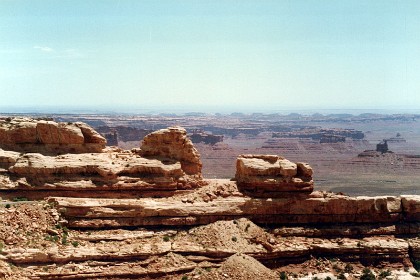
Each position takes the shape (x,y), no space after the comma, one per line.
(180,110)
(218,55)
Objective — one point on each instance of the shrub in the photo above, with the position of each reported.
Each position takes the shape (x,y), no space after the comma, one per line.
(341,276)
(384,274)
(7,206)
(234,239)
(283,275)
(247,227)
(15,199)
(416,264)
(166,238)
(348,268)
(75,243)
(64,239)
(185,277)
(367,275)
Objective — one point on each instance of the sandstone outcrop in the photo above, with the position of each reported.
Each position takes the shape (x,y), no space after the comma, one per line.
(172,143)
(8,158)
(170,165)
(272,175)
(49,137)
(317,208)
(156,253)
(129,201)
(113,173)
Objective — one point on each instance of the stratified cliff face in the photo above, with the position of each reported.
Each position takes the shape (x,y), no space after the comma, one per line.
(272,175)
(41,136)
(131,202)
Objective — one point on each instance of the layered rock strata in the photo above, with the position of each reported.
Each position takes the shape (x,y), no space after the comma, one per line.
(317,208)
(132,253)
(272,175)
(213,220)
(49,137)
(114,170)
(173,165)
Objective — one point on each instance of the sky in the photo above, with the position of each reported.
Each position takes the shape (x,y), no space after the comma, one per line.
(198,54)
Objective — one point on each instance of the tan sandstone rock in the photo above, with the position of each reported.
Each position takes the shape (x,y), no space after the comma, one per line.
(110,170)
(411,206)
(48,137)
(332,209)
(272,174)
(8,158)
(172,143)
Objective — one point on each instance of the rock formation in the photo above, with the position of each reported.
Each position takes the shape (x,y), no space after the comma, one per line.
(172,143)
(176,167)
(48,137)
(272,175)
(318,208)
(199,136)
(151,214)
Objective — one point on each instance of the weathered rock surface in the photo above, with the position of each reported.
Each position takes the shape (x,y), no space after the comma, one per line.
(411,206)
(213,222)
(109,171)
(239,244)
(172,162)
(271,175)
(49,137)
(321,208)
(8,158)
(172,143)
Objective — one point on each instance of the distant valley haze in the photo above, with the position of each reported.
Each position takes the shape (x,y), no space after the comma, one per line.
(209,56)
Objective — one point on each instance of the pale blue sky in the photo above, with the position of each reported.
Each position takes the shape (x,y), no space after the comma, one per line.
(241,54)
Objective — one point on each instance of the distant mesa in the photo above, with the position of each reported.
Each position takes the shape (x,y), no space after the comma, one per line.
(381,150)
(199,136)
(382,147)
(397,139)
(319,134)
(331,138)
(117,134)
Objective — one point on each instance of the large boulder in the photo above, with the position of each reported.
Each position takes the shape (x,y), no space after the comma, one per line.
(272,174)
(49,137)
(172,143)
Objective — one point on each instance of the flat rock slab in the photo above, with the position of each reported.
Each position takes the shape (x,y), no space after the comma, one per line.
(85,212)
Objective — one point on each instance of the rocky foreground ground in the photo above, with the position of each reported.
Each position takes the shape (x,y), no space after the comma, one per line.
(105,213)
